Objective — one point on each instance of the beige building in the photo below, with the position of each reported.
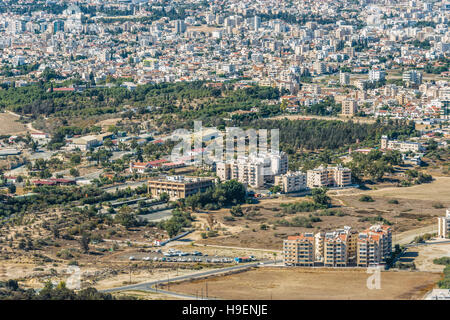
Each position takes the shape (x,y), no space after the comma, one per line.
(291,181)
(374,246)
(329,177)
(332,249)
(179,187)
(349,107)
(299,250)
(339,248)
(444,225)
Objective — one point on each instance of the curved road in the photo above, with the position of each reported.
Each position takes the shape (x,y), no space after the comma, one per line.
(150,286)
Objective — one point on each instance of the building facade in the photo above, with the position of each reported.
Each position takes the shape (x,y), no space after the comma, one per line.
(374,246)
(299,250)
(444,225)
(329,177)
(402,146)
(291,181)
(179,187)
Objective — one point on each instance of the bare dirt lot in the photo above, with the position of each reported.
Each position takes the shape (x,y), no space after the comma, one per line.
(423,256)
(438,190)
(321,284)
(262,224)
(10,125)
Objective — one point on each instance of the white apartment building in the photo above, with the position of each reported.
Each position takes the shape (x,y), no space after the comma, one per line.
(376,75)
(402,146)
(344,79)
(253,170)
(329,177)
(412,76)
(444,225)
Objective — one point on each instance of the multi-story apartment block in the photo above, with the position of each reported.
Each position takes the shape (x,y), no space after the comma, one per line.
(253,170)
(349,107)
(329,177)
(339,247)
(332,249)
(299,250)
(445,109)
(444,225)
(344,79)
(291,182)
(402,146)
(412,77)
(335,252)
(179,187)
(374,246)
(376,75)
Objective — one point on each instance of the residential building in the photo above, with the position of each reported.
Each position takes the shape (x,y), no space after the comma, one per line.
(376,75)
(444,225)
(412,77)
(374,246)
(349,107)
(299,250)
(178,187)
(291,181)
(329,177)
(339,247)
(344,79)
(402,146)
(255,169)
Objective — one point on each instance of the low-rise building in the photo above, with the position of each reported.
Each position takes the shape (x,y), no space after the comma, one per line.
(179,187)
(402,146)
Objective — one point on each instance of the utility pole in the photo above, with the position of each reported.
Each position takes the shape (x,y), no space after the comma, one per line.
(206,289)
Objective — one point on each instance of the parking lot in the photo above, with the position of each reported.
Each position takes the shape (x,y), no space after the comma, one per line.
(180,256)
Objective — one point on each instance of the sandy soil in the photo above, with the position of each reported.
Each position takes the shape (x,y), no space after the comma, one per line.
(9,124)
(302,283)
(142,276)
(423,256)
(438,190)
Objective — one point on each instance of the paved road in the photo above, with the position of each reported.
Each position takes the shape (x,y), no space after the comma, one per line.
(407,237)
(426,243)
(149,286)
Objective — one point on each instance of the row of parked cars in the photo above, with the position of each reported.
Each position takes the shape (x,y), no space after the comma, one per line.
(184,259)
(178,253)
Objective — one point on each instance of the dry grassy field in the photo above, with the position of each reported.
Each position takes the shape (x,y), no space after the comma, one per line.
(9,125)
(438,190)
(416,207)
(302,283)
(423,256)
